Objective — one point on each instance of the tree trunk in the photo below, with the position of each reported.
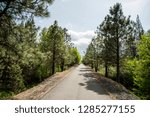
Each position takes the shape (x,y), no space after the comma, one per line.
(92,65)
(96,67)
(118,71)
(53,67)
(118,61)
(53,60)
(106,70)
(62,65)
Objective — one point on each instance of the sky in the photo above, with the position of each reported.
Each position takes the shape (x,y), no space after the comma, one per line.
(81,17)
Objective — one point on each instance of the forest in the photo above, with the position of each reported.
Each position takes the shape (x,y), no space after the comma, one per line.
(26,57)
(121,51)
(28,54)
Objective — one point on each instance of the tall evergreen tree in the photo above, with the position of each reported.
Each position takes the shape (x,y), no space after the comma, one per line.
(53,41)
(139,28)
(108,45)
(118,33)
(21,9)
(13,37)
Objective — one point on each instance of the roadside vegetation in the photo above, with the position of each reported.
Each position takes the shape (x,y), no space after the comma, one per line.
(27,58)
(121,51)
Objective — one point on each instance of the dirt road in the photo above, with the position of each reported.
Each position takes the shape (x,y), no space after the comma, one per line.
(78,85)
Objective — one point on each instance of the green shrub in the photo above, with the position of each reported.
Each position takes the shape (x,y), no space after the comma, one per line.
(6,95)
(142,70)
(33,66)
(127,73)
(11,78)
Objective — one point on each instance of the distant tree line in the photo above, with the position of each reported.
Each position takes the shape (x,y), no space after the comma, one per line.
(121,51)
(26,58)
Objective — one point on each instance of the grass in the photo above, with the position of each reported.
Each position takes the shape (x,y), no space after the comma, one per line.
(111,71)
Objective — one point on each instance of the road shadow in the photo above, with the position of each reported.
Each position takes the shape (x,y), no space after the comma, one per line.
(82,84)
(114,88)
(90,83)
(85,70)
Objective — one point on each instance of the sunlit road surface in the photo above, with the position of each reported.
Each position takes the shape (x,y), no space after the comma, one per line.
(78,85)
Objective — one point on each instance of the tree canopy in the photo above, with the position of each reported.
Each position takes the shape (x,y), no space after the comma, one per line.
(27,58)
(120,50)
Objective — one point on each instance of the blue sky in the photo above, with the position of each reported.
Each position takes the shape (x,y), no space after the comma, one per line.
(81,17)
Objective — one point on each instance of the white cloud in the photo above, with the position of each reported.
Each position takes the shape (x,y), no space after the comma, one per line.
(78,36)
(81,39)
(82,15)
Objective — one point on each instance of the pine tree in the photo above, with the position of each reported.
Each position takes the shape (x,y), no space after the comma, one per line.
(139,28)
(107,51)
(14,36)
(53,41)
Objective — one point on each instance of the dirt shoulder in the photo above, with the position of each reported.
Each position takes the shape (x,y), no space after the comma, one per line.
(37,92)
(114,89)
